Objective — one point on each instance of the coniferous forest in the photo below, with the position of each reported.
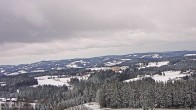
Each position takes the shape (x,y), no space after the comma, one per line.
(106,88)
(110,88)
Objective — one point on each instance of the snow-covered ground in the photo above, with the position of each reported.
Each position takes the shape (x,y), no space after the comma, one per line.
(131,55)
(157,64)
(96,106)
(113,63)
(55,81)
(88,106)
(151,55)
(189,55)
(52,80)
(153,64)
(156,56)
(167,75)
(106,68)
(93,105)
(22,71)
(74,65)
(99,68)
(137,78)
(1,70)
(126,59)
(193,59)
(14,73)
(36,71)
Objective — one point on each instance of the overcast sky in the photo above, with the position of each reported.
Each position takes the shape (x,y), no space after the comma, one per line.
(34,30)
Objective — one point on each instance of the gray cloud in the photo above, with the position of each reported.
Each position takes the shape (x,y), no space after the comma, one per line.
(33,21)
(66,28)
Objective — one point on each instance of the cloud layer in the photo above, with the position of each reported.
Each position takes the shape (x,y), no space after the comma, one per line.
(33,30)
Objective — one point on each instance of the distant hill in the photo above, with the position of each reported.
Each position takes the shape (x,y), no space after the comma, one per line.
(102,61)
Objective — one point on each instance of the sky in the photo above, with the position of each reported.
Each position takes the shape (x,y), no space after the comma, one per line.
(35,30)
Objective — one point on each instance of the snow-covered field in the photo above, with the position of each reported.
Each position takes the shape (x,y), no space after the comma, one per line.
(154,109)
(153,64)
(152,56)
(93,105)
(113,63)
(157,64)
(167,75)
(47,80)
(106,68)
(55,81)
(37,71)
(74,65)
(189,55)
(193,59)
(96,106)
(156,56)
(16,73)
(99,68)
(1,71)
(126,59)
(137,78)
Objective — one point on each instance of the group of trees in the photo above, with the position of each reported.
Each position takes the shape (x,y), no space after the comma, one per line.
(107,88)
(147,93)
(18,80)
(13,83)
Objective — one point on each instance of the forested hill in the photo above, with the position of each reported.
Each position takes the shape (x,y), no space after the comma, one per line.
(103,61)
(141,80)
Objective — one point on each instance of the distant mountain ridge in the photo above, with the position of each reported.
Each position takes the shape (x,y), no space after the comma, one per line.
(102,61)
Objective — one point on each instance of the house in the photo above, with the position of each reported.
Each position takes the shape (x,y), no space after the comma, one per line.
(116,69)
